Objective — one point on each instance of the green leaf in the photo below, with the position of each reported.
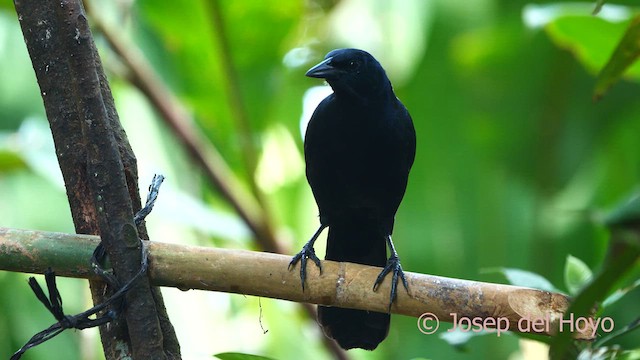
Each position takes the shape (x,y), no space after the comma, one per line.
(240,356)
(592,40)
(6,5)
(10,160)
(634,325)
(576,274)
(627,211)
(618,294)
(525,278)
(629,355)
(623,253)
(625,54)
(459,339)
(609,353)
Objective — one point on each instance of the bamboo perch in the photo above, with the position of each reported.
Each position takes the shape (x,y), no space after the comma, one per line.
(266,274)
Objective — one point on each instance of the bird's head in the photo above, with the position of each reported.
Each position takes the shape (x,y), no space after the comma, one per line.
(353,72)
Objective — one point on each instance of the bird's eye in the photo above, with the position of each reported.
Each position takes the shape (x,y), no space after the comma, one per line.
(353,64)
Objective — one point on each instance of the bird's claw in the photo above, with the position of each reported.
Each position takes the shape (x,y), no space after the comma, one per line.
(392,264)
(307,252)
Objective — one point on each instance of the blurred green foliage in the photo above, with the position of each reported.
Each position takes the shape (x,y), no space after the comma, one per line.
(515,163)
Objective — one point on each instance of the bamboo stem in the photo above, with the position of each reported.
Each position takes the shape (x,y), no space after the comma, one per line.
(266,274)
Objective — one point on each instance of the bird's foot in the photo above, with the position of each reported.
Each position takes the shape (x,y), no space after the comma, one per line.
(393,264)
(307,252)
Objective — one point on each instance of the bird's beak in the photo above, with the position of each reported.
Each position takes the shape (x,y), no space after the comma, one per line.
(322,70)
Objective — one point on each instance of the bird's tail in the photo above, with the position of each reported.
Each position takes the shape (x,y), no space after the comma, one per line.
(357,241)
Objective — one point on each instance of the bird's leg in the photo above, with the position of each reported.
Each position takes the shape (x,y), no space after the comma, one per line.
(393,264)
(307,252)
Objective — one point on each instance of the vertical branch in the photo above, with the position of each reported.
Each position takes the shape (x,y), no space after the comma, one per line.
(94,154)
(203,152)
(236,102)
(130,167)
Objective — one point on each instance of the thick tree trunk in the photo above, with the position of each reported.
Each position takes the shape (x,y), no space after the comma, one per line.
(98,166)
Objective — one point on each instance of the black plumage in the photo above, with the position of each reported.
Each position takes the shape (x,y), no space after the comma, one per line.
(359,148)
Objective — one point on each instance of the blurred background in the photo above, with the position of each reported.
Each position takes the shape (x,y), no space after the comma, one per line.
(515,166)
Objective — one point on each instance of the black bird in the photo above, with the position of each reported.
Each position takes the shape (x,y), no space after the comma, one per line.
(359,147)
